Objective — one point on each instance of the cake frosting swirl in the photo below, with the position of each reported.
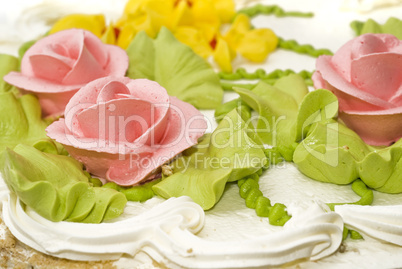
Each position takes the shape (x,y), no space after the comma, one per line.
(167,232)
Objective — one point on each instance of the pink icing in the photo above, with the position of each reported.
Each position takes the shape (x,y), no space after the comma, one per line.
(366,76)
(55,67)
(124,130)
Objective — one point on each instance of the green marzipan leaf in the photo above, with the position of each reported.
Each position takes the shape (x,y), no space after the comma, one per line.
(176,67)
(20,120)
(8,63)
(228,154)
(57,188)
(277,107)
(392,26)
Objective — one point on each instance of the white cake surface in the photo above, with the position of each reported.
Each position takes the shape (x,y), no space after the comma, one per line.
(177,233)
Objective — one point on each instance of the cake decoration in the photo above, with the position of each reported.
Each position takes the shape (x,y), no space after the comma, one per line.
(365,76)
(277,107)
(260,9)
(231,152)
(56,66)
(252,44)
(62,191)
(249,190)
(312,233)
(123,130)
(301,127)
(259,74)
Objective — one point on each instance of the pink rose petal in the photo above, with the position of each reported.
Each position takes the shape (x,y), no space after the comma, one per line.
(366,45)
(121,120)
(362,100)
(49,68)
(161,103)
(88,96)
(86,146)
(85,69)
(376,129)
(342,59)
(185,126)
(378,74)
(113,90)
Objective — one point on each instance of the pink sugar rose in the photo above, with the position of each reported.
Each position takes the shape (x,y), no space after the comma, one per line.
(56,66)
(123,130)
(366,76)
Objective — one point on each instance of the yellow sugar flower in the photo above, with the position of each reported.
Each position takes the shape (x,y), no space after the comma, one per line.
(225,10)
(257,44)
(93,23)
(252,44)
(237,30)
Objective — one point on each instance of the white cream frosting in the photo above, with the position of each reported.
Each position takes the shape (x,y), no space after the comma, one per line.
(167,233)
(380,222)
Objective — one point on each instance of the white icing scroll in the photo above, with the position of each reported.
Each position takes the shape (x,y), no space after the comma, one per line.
(380,222)
(167,233)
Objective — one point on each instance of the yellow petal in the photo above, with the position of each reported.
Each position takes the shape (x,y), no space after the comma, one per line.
(182,15)
(126,35)
(139,8)
(257,44)
(194,39)
(225,10)
(159,14)
(109,36)
(241,23)
(134,7)
(93,23)
(223,55)
(209,31)
(237,30)
(204,11)
(137,24)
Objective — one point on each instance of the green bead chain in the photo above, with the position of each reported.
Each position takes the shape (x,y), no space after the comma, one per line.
(138,193)
(249,190)
(276,10)
(259,74)
(307,49)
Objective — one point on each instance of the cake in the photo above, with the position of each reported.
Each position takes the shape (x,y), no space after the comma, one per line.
(178,233)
